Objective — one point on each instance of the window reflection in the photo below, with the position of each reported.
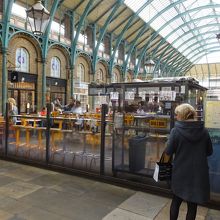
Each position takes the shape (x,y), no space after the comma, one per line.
(22,60)
(55,67)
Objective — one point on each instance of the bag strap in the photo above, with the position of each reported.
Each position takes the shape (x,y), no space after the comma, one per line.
(164,157)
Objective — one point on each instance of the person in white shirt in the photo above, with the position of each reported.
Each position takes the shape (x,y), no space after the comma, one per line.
(77,109)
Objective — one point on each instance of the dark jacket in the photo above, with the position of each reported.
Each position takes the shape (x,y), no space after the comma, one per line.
(190,142)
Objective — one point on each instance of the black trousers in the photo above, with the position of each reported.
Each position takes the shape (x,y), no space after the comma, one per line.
(175,205)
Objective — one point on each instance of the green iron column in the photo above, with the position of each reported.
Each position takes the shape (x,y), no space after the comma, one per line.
(54,7)
(92,66)
(7,8)
(75,38)
(72,80)
(44,85)
(73,49)
(4,79)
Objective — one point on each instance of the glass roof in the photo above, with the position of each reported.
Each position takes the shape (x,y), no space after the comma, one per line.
(189,25)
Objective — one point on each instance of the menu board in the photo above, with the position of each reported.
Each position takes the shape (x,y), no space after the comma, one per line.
(129,95)
(167,95)
(149,90)
(97,91)
(212,114)
(114,95)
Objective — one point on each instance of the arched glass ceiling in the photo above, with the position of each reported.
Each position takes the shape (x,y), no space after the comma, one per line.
(180,20)
(210,58)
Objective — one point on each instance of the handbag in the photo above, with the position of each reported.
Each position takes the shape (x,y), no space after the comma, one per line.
(163,168)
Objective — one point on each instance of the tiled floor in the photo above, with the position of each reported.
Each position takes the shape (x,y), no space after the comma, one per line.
(29,193)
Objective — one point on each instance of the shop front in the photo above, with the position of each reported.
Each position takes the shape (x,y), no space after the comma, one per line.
(57,89)
(22,87)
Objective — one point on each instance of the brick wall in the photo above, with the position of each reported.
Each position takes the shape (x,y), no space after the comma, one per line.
(67,25)
(36,63)
(32,49)
(104,69)
(107,45)
(54,52)
(116,70)
(89,36)
(86,64)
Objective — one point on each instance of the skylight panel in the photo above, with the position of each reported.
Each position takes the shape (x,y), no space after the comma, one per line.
(182,35)
(173,37)
(195,47)
(165,31)
(169,14)
(201,13)
(217,10)
(177,44)
(160,4)
(158,22)
(187,37)
(210,58)
(189,4)
(134,5)
(176,23)
(179,32)
(212,40)
(216,1)
(147,13)
(19,11)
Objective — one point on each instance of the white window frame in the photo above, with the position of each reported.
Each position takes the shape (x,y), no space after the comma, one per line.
(100,75)
(55,72)
(22,60)
(80,75)
(115,77)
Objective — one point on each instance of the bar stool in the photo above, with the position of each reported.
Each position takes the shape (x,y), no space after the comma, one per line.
(17,129)
(40,146)
(82,154)
(53,147)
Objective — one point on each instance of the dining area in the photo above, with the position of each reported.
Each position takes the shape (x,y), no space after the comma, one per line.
(69,140)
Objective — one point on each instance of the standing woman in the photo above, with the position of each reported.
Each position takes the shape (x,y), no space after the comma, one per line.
(13,109)
(190,144)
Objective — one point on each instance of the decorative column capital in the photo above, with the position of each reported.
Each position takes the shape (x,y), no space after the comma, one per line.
(41,60)
(4,50)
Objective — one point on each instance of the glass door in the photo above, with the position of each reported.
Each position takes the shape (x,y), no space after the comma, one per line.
(25,100)
(24,95)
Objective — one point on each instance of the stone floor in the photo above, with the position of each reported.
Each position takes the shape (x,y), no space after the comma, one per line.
(29,193)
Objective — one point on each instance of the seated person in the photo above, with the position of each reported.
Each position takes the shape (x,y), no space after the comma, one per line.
(77,109)
(148,106)
(43,111)
(69,107)
(155,107)
(140,109)
(57,105)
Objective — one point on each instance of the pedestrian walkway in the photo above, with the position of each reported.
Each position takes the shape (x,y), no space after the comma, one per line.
(30,193)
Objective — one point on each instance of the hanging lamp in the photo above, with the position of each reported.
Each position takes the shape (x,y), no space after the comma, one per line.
(38,17)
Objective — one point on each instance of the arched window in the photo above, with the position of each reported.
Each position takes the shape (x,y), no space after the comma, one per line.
(115,77)
(80,73)
(22,60)
(55,67)
(100,75)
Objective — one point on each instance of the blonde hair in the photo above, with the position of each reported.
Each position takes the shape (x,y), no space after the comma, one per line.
(12,101)
(185,111)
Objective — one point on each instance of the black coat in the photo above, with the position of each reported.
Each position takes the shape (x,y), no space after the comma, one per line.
(190,142)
